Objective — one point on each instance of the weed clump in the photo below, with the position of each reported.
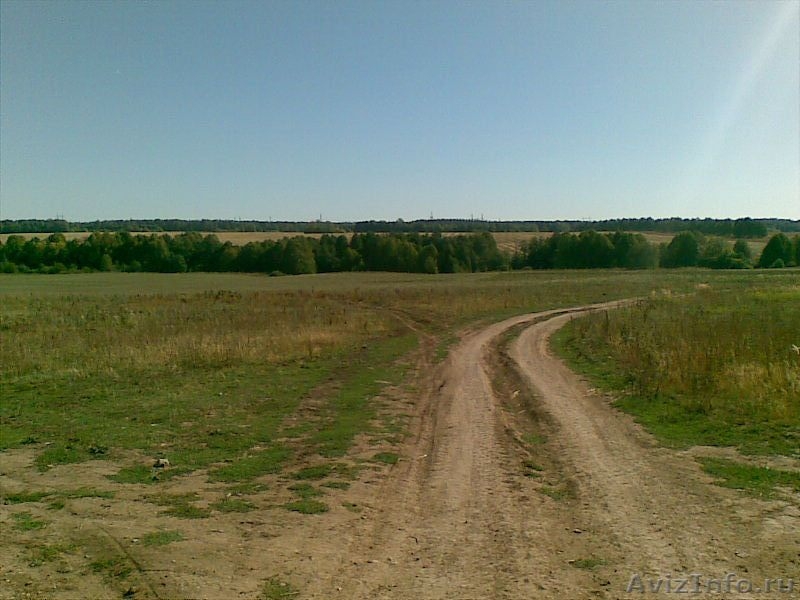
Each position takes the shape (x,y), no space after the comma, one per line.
(307,507)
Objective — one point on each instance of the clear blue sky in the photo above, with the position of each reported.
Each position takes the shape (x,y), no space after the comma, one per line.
(397,109)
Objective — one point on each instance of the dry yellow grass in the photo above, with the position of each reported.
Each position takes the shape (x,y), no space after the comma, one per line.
(716,350)
(104,322)
(84,336)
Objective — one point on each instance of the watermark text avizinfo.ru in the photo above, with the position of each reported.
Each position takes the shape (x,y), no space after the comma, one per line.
(700,584)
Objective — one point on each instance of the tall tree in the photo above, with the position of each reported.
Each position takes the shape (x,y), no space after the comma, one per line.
(777,253)
(682,251)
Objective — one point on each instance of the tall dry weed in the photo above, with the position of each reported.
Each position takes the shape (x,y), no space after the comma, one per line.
(83,336)
(712,350)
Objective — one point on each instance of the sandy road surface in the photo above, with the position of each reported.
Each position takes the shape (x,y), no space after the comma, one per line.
(460,520)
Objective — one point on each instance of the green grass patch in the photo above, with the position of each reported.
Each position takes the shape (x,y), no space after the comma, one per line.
(167,365)
(227,505)
(25,522)
(247,488)
(23,497)
(531,469)
(307,507)
(187,511)
(557,493)
(146,475)
(47,553)
(681,425)
(170,499)
(305,490)
(297,431)
(352,408)
(162,537)
(275,589)
(261,462)
(112,568)
(387,458)
(315,472)
(57,500)
(588,563)
(337,485)
(155,410)
(446,341)
(534,439)
(61,454)
(352,507)
(594,363)
(57,504)
(87,493)
(757,481)
(181,505)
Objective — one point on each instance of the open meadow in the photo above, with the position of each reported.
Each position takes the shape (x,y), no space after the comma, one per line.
(208,435)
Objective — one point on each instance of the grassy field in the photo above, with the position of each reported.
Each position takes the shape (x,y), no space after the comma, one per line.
(282,390)
(99,363)
(207,367)
(203,378)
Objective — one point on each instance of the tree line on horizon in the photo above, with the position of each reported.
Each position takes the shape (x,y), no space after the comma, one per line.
(398,252)
(735,228)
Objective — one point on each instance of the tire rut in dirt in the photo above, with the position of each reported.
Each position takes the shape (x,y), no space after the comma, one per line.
(458,519)
(657,510)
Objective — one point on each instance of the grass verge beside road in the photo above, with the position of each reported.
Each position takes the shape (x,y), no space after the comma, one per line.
(716,367)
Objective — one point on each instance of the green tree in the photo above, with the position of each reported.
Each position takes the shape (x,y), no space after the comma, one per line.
(106,263)
(429,259)
(797,249)
(541,253)
(748,228)
(712,252)
(567,254)
(407,256)
(326,256)
(13,249)
(175,263)
(778,248)
(298,257)
(595,250)
(682,251)
(33,253)
(742,249)
(349,259)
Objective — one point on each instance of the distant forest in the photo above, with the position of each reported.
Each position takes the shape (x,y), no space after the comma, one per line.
(401,252)
(737,228)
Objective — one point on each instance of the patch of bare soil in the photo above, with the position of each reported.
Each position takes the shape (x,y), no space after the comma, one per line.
(516,481)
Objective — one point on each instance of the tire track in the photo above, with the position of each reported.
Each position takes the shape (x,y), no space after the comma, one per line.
(452,523)
(458,520)
(654,505)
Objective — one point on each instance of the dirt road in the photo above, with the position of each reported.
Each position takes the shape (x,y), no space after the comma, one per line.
(517,481)
(607,513)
